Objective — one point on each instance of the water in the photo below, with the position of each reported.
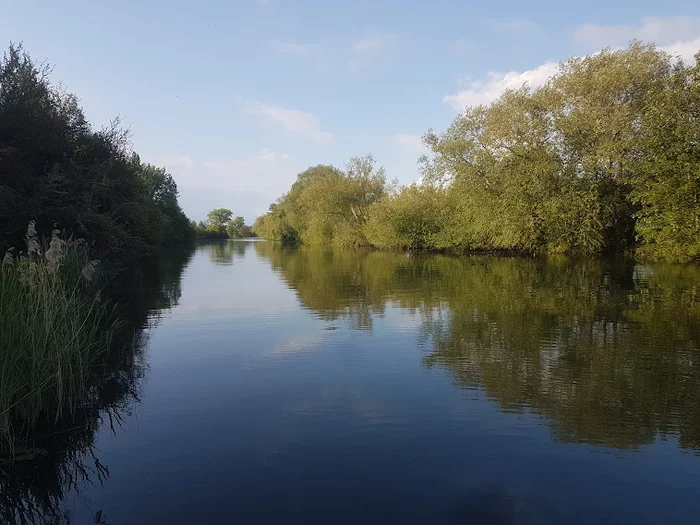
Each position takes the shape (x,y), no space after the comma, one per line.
(281,385)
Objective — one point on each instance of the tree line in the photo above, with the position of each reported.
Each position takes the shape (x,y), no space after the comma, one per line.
(58,171)
(74,202)
(221,224)
(603,158)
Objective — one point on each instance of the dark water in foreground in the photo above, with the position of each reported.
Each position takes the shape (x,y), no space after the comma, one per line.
(277,385)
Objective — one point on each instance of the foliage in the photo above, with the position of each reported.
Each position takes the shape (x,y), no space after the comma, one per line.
(412,218)
(218,219)
(55,321)
(326,205)
(551,168)
(667,184)
(54,455)
(55,169)
(238,229)
(219,225)
(202,231)
(274,225)
(603,158)
(54,326)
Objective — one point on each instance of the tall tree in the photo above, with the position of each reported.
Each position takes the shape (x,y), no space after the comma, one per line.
(218,219)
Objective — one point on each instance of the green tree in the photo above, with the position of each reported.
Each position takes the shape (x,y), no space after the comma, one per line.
(326,205)
(667,182)
(238,229)
(217,220)
(57,171)
(602,158)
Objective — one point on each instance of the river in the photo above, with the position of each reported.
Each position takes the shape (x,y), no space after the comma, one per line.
(275,384)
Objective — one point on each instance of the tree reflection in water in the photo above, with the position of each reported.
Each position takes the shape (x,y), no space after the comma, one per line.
(607,350)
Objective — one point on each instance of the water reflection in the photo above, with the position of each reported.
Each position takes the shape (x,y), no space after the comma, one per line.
(608,351)
(60,456)
(224,253)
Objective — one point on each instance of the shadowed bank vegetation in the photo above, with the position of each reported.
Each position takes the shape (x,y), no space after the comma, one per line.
(603,158)
(608,351)
(87,198)
(54,328)
(59,172)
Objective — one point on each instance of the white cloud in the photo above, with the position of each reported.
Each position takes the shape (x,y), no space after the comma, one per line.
(412,142)
(367,45)
(486,91)
(685,50)
(661,31)
(246,183)
(254,172)
(304,124)
(330,60)
(262,172)
(679,36)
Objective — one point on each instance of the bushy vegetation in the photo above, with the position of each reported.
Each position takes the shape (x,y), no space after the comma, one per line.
(59,175)
(603,158)
(56,170)
(326,205)
(54,327)
(220,225)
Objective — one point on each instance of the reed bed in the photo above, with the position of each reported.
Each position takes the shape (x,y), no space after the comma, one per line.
(55,329)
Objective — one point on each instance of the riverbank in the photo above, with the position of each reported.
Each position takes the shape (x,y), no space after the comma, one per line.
(601,159)
(95,212)
(56,326)
(49,452)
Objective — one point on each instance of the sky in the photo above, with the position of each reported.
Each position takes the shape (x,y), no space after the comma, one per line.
(235,98)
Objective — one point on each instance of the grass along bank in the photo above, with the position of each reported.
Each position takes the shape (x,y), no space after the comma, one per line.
(55,329)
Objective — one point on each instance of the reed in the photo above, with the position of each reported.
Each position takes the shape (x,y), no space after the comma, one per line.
(54,332)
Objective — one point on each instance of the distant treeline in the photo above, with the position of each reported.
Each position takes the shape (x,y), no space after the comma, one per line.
(605,157)
(57,170)
(221,225)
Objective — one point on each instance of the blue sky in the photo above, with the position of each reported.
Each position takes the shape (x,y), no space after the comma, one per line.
(235,98)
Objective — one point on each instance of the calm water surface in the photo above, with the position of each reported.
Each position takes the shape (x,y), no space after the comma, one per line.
(281,385)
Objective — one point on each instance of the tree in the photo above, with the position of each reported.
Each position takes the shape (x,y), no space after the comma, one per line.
(602,158)
(56,170)
(218,219)
(237,228)
(667,183)
(326,205)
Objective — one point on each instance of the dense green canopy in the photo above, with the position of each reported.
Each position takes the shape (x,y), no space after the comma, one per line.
(603,158)
(326,205)
(56,170)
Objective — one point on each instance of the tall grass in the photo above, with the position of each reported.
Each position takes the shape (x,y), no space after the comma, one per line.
(54,330)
